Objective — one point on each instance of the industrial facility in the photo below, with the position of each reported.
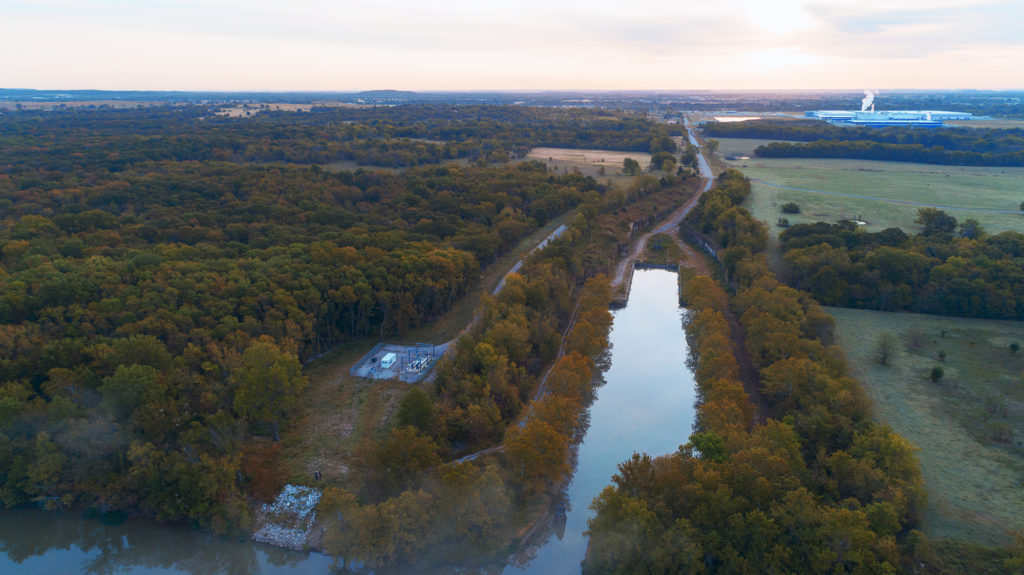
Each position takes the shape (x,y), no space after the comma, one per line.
(868,117)
(408,363)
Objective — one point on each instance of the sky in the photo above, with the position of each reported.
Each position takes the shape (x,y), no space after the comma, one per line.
(345,45)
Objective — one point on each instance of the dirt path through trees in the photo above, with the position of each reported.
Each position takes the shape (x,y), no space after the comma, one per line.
(671,224)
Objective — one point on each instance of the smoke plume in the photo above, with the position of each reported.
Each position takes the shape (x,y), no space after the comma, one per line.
(869,98)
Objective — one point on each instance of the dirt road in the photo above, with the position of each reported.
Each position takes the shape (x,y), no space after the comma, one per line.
(671,224)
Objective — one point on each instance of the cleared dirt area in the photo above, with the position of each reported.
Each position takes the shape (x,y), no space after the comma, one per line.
(604,165)
(969,425)
(610,158)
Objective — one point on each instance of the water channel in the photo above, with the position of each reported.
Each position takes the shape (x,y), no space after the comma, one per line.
(645,404)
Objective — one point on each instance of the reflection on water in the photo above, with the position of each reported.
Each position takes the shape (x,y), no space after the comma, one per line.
(39,542)
(646,404)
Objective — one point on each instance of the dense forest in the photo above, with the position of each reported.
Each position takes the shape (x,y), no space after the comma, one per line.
(155,309)
(77,140)
(949,146)
(948,269)
(818,488)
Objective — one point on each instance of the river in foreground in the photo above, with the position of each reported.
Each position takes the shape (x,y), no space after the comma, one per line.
(645,405)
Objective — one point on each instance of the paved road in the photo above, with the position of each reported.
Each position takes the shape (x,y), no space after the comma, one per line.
(552,237)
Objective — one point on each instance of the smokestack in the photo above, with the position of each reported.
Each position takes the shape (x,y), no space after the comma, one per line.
(868,101)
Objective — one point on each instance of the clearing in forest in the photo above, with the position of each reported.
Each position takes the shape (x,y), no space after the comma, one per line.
(882,194)
(968,423)
(588,162)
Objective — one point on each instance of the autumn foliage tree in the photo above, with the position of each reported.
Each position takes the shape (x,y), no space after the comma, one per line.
(269,380)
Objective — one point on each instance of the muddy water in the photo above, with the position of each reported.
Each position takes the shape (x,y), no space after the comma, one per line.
(645,405)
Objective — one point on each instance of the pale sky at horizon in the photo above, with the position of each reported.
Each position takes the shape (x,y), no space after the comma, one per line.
(524,45)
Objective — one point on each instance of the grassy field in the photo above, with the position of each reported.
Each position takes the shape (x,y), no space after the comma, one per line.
(969,425)
(740,146)
(993,123)
(963,192)
(662,249)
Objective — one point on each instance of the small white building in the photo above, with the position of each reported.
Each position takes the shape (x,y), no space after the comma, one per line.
(388,360)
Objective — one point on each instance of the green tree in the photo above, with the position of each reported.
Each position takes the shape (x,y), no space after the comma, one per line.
(630,167)
(935,221)
(885,347)
(404,455)
(269,381)
(415,409)
(970,228)
(129,387)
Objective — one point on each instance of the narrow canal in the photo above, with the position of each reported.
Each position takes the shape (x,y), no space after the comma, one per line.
(645,405)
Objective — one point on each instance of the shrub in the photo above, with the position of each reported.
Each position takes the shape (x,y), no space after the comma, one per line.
(885,347)
(936,373)
(791,208)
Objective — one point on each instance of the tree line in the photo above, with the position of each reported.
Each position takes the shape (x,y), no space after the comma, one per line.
(76,139)
(868,150)
(950,268)
(947,146)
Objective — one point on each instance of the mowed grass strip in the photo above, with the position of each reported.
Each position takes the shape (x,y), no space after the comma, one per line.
(967,188)
(969,425)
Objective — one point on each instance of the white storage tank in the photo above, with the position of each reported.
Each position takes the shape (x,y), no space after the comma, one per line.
(388,360)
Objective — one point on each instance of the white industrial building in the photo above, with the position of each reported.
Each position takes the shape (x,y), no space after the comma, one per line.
(871,118)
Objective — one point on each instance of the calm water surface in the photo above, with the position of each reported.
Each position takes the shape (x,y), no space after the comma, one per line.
(37,542)
(645,405)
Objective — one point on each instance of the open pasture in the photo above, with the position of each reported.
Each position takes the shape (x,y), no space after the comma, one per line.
(969,425)
(883,194)
(1001,123)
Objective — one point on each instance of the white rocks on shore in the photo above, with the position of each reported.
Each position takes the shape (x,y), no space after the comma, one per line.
(286,522)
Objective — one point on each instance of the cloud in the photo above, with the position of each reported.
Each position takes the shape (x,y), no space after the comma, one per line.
(464,44)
